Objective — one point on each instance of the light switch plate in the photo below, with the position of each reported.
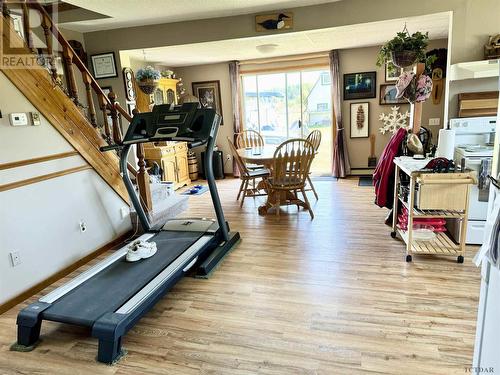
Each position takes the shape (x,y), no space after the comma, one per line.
(434,121)
(18,119)
(35,118)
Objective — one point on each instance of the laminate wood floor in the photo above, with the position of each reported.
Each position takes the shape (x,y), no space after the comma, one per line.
(328,296)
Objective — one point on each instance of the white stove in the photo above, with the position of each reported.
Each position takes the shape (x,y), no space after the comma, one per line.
(473,140)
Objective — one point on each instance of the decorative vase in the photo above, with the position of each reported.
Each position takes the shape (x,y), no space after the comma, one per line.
(148,86)
(402,59)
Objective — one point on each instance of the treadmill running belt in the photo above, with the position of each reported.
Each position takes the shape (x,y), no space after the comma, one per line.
(113,286)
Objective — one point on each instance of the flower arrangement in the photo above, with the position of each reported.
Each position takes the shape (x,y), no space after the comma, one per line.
(412,88)
(405,50)
(147,73)
(147,79)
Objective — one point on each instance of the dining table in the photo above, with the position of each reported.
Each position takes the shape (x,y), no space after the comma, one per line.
(264,156)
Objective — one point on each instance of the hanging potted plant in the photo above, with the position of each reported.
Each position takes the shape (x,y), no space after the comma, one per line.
(405,50)
(147,79)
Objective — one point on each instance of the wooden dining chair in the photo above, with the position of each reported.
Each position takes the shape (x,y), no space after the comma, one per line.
(292,163)
(247,176)
(315,138)
(249,138)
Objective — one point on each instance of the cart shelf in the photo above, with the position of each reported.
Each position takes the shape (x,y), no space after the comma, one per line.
(442,244)
(441,214)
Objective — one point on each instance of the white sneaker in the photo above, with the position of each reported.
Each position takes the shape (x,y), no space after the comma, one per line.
(138,250)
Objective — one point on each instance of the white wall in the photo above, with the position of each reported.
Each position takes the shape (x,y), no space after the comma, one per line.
(41,220)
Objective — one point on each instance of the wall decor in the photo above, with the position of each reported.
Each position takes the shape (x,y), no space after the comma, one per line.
(392,72)
(208,93)
(360,85)
(359,120)
(274,21)
(104,65)
(393,121)
(106,90)
(388,95)
(128,80)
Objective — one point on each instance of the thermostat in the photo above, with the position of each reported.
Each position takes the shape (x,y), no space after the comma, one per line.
(18,119)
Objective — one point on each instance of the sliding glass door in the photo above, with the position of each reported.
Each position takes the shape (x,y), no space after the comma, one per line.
(288,105)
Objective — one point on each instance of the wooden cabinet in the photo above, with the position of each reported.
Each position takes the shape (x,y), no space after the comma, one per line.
(166,93)
(172,159)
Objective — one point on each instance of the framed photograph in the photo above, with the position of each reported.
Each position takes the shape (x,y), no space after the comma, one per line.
(104,65)
(388,95)
(208,93)
(359,120)
(392,72)
(360,85)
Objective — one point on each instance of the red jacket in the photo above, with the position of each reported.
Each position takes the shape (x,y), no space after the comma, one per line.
(383,176)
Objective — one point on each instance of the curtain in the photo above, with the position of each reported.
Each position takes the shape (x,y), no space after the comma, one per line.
(340,162)
(234,78)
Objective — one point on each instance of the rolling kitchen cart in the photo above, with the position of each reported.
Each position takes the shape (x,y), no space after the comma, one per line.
(431,195)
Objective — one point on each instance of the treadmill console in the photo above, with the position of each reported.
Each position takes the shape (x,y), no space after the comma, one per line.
(167,122)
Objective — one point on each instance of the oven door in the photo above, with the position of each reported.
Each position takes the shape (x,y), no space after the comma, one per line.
(478,200)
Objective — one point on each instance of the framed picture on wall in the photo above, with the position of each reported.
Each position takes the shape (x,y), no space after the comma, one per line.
(208,93)
(388,95)
(360,85)
(392,72)
(359,120)
(104,65)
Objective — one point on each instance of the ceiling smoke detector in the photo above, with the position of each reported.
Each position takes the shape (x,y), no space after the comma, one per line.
(267,48)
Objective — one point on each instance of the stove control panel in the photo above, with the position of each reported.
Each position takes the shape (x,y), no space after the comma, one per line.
(471,125)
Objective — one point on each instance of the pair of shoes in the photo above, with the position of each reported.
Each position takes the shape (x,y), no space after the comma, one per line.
(139,249)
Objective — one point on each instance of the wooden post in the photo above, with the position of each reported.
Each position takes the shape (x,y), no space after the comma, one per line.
(142,178)
(90,100)
(103,104)
(416,108)
(117,132)
(68,58)
(26,26)
(46,25)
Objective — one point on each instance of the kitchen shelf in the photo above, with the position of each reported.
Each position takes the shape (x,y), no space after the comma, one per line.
(442,244)
(440,214)
(474,69)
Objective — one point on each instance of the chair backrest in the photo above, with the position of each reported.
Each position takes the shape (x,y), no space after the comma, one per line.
(315,138)
(237,159)
(292,162)
(249,138)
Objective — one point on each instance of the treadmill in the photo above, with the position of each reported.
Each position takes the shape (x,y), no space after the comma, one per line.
(113,295)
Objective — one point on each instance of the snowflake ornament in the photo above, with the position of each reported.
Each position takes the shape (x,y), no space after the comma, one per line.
(393,121)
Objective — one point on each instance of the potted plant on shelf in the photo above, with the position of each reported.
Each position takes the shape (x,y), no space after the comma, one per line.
(405,50)
(147,79)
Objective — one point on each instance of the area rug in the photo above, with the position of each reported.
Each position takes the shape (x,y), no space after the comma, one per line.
(365,181)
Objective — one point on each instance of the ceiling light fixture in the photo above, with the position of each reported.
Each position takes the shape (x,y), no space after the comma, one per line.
(266,48)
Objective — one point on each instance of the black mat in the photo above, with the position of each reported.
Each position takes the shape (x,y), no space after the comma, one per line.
(365,181)
(116,284)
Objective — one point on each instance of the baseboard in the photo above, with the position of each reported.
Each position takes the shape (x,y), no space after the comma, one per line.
(62,273)
(362,171)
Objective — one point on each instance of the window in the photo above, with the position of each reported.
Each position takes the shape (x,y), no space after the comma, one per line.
(322,107)
(325,78)
(288,105)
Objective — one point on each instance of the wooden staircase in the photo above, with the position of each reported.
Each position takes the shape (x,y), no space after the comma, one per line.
(60,105)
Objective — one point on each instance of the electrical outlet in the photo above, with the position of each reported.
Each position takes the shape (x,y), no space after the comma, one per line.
(434,121)
(124,212)
(83,226)
(15,258)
